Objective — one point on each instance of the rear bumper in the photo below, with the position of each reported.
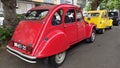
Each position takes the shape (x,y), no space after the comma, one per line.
(22,56)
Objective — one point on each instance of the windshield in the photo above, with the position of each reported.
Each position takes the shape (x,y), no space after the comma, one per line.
(92,15)
(36,15)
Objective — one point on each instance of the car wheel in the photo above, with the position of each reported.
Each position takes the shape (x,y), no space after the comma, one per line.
(110,27)
(92,37)
(118,23)
(58,59)
(101,31)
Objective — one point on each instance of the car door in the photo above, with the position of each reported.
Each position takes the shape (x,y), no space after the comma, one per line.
(80,25)
(70,25)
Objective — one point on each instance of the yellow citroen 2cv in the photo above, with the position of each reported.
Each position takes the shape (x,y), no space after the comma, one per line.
(100,19)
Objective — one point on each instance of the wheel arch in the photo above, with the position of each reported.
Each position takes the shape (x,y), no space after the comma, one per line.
(54,43)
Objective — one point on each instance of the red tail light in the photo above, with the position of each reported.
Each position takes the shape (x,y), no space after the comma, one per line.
(29,49)
(11,43)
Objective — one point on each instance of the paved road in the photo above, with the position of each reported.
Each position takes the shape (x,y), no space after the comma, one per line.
(103,53)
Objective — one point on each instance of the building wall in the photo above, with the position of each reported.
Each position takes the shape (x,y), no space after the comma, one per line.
(24,6)
(1,9)
(38,0)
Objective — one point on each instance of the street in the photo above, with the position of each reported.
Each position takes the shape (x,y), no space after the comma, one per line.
(103,53)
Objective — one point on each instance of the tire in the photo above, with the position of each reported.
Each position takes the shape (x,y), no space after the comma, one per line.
(101,31)
(110,27)
(92,37)
(57,59)
(118,23)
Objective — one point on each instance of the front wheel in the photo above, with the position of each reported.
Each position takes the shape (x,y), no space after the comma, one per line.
(58,59)
(92,37)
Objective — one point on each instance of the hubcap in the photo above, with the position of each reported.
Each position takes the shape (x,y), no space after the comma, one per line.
(119,23)
(59,58)
(103,30)
(93,36)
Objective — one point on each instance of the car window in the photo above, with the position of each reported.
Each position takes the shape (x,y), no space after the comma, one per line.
(93,15)
(36,15)
(70,16)
(112,14)
(57,17)
(78,15)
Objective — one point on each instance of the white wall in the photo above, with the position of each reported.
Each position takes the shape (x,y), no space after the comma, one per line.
(24,6)
(1,9)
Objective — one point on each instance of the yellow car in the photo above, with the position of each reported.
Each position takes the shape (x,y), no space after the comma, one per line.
(100,19)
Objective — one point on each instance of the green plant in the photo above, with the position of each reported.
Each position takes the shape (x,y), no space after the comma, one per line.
(5,34)
(20,16)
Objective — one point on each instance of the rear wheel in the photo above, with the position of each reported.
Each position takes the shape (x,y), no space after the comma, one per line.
(92,37)
(58,59)
(101,31)
(118,23)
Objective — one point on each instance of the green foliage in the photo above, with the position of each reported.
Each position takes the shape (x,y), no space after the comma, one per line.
(5,34)
(20,17)
(88,7)
(110,4)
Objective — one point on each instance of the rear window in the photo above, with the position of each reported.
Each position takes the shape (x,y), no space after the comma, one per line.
(112,14)
(36,15)
(92,14)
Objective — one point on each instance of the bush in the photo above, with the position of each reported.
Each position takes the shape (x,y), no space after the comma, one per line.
(20,17)
(5,35)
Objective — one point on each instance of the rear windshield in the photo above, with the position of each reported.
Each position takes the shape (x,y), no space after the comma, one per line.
(92,14)
(112,14)
(36,15)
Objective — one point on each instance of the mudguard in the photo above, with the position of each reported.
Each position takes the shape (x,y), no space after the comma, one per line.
(110,22)
(54,43)
(89,29)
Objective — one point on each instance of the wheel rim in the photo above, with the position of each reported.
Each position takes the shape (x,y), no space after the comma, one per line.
(93,36)
(103,30)
(59,58)
(118,23)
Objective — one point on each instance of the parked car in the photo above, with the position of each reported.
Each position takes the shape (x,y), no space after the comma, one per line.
(1,19)
(100,18)
(115,17)
(48,31)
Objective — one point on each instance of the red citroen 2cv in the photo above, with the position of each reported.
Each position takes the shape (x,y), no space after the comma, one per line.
(48,31)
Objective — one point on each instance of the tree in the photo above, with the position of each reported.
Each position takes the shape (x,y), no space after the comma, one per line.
(110,4)
(95,4)
(10,16)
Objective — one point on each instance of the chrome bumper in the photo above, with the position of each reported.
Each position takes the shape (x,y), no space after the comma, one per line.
(22,56)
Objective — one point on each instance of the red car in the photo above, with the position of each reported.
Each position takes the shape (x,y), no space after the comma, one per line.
(48,31)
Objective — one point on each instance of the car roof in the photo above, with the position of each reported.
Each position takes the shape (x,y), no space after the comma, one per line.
(96,11)
(49,7)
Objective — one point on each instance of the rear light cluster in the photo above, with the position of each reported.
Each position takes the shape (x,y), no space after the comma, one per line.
(27,48)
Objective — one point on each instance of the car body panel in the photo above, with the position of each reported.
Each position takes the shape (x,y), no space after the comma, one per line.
(99,18)
(47,39)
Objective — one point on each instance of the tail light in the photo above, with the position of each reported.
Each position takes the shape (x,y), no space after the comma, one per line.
(29,49)
(11,43)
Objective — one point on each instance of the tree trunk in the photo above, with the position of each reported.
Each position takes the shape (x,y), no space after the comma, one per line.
(95,4)
(10,16)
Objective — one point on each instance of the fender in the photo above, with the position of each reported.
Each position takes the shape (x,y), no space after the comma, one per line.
(54,43)
(89,29)
(110,22)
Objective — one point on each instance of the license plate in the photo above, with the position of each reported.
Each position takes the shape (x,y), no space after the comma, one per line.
(20,46)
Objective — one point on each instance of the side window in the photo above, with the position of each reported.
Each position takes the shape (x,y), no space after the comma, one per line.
(103,15)
(57,17)
(70,16)
(78,15)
